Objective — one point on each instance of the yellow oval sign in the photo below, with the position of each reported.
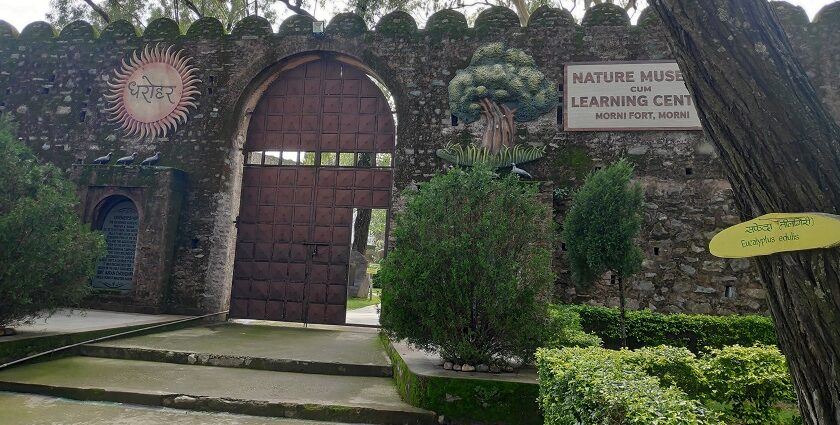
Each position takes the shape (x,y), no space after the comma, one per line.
(777,232)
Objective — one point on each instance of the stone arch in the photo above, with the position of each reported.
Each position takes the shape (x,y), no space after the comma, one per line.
(221,263)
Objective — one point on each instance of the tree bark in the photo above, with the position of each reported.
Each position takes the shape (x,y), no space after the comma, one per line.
(780,150)
(361,226)
(623,312)
(500,126)
(296,7)
(99,11)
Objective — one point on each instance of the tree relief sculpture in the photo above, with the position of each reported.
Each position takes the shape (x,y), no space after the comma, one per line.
(504,86)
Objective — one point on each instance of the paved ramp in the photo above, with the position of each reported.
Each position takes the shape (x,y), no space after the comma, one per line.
(337,374)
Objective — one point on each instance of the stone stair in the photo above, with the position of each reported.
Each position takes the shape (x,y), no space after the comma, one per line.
(338,374)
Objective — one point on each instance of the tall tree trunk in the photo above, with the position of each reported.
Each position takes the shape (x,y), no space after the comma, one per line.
(781,152)
(623,312)
(500,126)
(361,225)
(523,11)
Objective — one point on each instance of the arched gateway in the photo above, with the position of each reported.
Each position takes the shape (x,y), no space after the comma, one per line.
(310,158)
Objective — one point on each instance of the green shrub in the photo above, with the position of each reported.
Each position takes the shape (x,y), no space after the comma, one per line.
(693,331)
(598,386)
(674,366)
(750,381)
(470,273)
(47,255)
(564,329)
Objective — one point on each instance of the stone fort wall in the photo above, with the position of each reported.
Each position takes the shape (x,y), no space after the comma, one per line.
(53,84)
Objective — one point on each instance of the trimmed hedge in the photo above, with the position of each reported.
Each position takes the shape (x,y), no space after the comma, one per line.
(564,330)
(750,381)
(693,331)
(674,366)
(597,386)
(747,385)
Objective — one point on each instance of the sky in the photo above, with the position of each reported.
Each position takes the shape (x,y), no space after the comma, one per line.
(21,12)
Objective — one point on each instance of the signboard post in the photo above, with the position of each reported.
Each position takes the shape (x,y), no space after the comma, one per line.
(627,96)
(778,232)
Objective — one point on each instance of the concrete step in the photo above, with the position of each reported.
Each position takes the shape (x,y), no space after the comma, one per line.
(29,409)
(351,399)
(345,351)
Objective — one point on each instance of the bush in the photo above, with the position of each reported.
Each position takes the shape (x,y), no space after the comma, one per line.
(674,366)
(47,255)
(564,329)
(693,331)
(470,274)
(598,386)
(751,381)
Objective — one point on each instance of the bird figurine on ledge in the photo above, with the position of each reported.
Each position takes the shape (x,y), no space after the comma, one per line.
(127,160)
(152,160)
(103,159)
(520,172)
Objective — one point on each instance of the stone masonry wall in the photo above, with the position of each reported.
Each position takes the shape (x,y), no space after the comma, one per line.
(53,85)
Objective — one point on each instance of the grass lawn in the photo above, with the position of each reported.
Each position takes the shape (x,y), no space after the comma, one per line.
(354,303)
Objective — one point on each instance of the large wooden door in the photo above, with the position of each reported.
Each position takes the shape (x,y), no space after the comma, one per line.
(320,143)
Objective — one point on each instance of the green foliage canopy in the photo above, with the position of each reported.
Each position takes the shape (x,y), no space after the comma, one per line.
(47,255)
(598,386)
(470,274)
(564,329)
(601,227)
(505,76)
(750,380)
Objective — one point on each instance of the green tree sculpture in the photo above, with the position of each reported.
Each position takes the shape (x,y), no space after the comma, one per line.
(505,86)
(47,255)
(601,227)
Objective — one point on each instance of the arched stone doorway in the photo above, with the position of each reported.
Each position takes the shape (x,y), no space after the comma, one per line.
(320,143)
(117,217)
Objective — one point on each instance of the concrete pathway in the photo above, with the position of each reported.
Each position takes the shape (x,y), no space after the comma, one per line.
(28,409)
(327,373)
(368,316)
(287,347)
(67,321)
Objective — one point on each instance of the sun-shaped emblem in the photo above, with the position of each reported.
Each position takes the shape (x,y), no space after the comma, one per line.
(150,95)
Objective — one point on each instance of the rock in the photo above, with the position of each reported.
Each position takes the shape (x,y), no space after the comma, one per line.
(739,265)
(359,278)
(755,293)
(644,286)
(691,271)
(482,368)
(637,150)
(191,359)
(184,399)
(468,368)
(456,368)
(447,365)
(704,290)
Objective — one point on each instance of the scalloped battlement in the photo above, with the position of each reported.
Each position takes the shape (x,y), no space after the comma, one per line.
(490,22)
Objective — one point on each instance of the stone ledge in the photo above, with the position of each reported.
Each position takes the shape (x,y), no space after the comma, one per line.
(464,397)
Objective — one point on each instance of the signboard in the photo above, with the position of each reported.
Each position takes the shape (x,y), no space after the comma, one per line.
(116,269)
(778,232)
(627,96)
(151,93)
